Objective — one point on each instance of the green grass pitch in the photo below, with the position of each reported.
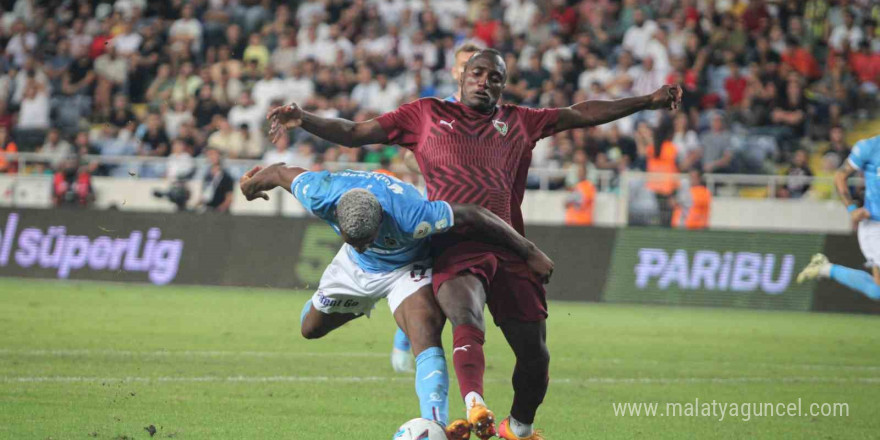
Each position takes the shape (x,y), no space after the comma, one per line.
(83,360)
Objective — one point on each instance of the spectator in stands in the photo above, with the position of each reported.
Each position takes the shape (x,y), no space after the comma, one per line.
(837,151)
(153,139)
(120,113)
(225,139)
(693,203)
(581,199)
(660,160)
(257,51)
(181,165)
(33,113)
(717,147)
(281,153)
(185,33)
(7,165)
(55,149)
(799,176)
(112,73)
(21,44)
(686,142)
(72,184)
(218,184)
(791,110)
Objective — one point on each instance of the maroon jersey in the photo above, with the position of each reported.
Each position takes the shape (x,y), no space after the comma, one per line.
(470,157)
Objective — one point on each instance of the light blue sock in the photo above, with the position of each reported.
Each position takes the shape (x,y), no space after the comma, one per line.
(401,342)
(306,307)
(857,280)
(432,385)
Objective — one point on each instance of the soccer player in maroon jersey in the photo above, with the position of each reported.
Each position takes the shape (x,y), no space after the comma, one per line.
(476,151)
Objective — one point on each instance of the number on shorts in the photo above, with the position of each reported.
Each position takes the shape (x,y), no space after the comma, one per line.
(418,272)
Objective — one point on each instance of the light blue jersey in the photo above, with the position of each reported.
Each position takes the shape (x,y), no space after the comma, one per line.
(409,218)
(865,156)
(451,98)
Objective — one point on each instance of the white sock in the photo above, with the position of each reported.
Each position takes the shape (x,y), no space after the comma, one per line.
(472,398)
(520,429)
(825,270)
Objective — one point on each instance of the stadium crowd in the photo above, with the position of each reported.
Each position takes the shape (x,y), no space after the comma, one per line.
(768,84)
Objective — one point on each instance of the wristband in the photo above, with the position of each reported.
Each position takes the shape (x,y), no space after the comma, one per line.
(852,207)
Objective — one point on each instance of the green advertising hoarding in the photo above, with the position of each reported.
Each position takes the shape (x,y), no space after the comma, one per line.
(711,268)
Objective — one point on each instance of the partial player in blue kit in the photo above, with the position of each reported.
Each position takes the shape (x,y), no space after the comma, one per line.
(865,157)
(386,224)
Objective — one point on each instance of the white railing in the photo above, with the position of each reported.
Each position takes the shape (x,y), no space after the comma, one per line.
(604,179)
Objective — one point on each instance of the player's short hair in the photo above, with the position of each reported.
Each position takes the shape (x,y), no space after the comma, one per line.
(489,52)
(359,214)
(467,47)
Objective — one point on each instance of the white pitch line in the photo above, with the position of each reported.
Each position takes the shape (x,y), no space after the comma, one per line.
(360,379)
(295,354)
(184,353)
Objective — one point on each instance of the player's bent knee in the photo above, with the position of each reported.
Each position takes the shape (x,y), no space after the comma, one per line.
(312,332)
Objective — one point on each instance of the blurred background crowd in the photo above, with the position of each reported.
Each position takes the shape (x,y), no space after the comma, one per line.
(771,87)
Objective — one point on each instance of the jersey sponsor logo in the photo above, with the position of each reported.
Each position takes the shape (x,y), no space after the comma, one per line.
(448,124)
(330,302)
(500,126)
(422,230)
(711,270)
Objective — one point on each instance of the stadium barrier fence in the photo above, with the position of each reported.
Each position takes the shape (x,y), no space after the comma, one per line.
(632,265)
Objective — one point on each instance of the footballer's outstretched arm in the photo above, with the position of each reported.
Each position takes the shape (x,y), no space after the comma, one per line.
(258,180)
(592,113)
(483,225)
(336,130)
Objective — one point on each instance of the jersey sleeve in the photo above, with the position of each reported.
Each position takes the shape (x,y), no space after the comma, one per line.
(540,123)
(312,189)
(422,218)
(861,151)
(403,125)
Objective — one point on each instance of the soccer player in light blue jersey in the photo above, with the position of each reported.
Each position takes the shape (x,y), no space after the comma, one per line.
(865,157)
(401,359)
(386,224)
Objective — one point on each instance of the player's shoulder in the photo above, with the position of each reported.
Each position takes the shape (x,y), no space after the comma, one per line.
(867,146)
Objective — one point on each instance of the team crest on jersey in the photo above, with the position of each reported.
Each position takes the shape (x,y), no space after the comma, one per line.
(500,126)
(422,230)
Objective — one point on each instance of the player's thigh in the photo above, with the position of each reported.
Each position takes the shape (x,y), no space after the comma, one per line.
(421,319)
(462,299)
(317,324)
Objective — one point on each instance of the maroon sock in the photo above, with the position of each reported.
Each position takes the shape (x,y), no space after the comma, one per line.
(468,358)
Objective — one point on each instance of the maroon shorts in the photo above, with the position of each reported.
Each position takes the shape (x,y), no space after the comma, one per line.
(512,290)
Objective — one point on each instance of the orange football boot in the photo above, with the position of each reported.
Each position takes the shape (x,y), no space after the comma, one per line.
(482,421)
(458,429)
(506,433)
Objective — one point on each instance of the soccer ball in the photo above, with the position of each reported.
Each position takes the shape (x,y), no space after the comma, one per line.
(420,429)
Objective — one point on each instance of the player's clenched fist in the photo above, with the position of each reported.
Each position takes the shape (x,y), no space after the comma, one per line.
(540,264)
(284,118)
(250,187)
(667,97)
